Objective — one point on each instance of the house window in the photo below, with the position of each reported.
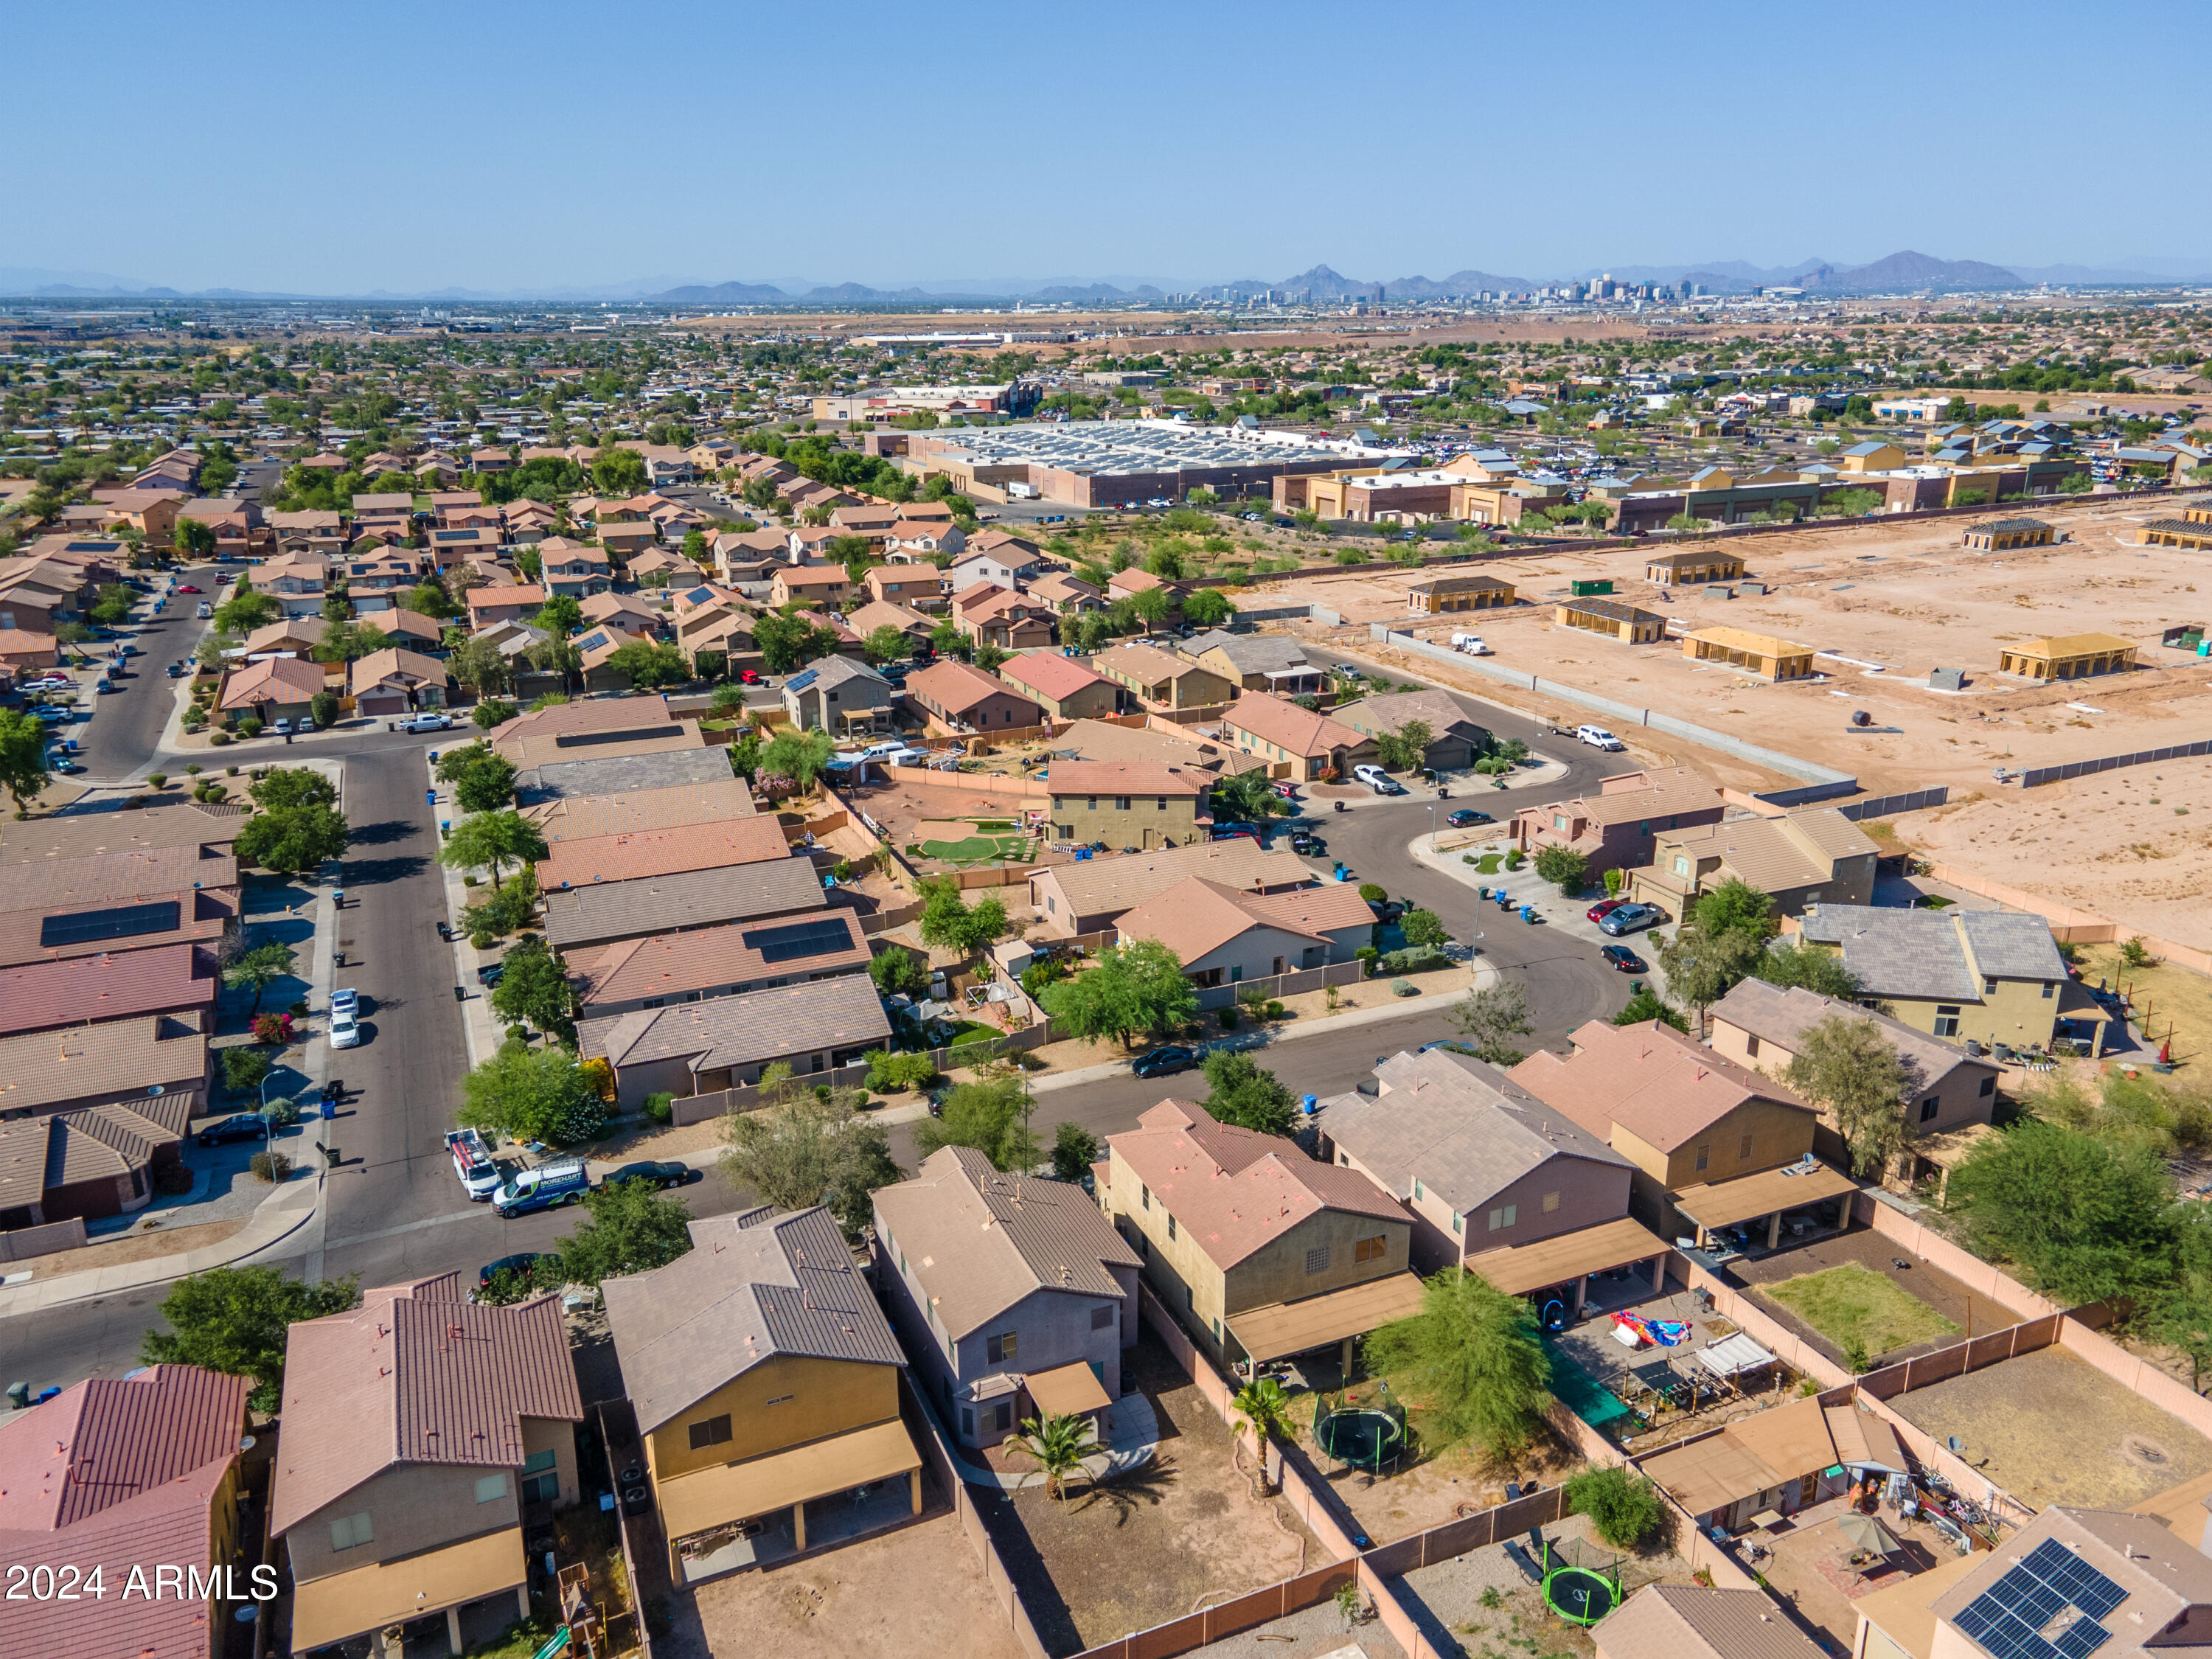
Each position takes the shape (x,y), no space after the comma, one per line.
(1091,804)
(1418,1191)
(1947,1022)
(1317,1259)
(1681,866)
(1988,986)
(541,1476)
(1459,1222)
(1503,1216)
(967,1422)
(1560,821)
(1705,1157)
(491,1488)
(1743,1152)
(714,1431)
(1928,1108)
(1000,1417)
(1371,1249)
(349,1530)
(2049,989)
(1551,1203)
(1000,1348)
(1144,1195)
(1161,804)
(1989,1087)
(1751,1047)
(1102,1318)
(1189,1299)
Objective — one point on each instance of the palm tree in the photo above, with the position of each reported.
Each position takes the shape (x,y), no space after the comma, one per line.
(1266,1412)
(260,967)
(1059,1444)
(485,839)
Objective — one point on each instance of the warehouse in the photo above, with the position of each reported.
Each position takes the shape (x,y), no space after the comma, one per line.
(1125,464)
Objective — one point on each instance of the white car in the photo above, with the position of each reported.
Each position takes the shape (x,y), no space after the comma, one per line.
(282,728)
(429,723)
(1598,737)
(345,1030)
(346,1001)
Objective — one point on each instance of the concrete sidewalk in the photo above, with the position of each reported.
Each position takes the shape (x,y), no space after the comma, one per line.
(283,1213)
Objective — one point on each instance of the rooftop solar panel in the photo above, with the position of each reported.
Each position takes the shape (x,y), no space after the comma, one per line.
(803,938)
(124,921)
(2045,1607)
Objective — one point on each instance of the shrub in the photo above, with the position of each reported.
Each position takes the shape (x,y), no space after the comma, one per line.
(230,771)
(283,1111)
(1413,959)
(483,940)
(173,1181)
(1513,859)
(243,1068)
(1274,1009)
(1228,1017)
(1404,987)
(193,768)
(1467,857)
(1366,955)
(272,1167)
(518,1034)
(219,739)
(1624,1509)
(159,780)
(275,1029)
(660,1107)
(250,727)
(1373,893)
(889,1073)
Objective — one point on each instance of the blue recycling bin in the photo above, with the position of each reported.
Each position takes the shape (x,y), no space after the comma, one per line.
(429,797)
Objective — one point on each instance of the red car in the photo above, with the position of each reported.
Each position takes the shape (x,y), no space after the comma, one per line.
(1603,909)
(186,587)
(748,676)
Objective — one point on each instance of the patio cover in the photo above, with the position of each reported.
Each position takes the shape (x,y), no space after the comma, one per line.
(328,1610)
(1710,1475)
(1520,1269)
(714,1497)
(1864,1441)
(1284,1327)
(1732,1355)
(1724,1203)
(1071,1390)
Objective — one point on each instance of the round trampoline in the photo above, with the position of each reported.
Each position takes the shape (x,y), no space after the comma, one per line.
(1581,1596)
(1362,1437)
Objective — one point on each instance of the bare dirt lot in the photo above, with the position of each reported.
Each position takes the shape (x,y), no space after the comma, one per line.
(1149,1545)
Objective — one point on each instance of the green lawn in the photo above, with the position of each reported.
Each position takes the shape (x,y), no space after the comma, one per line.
(1851,1303)
(977,849)
(1487,863)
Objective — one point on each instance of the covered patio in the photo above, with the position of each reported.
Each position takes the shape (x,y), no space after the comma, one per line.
(1283,1329)
(1569,1262)
(746,1514)
(1755,1204)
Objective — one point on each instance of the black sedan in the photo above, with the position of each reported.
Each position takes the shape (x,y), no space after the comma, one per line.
(1160,1062)
(246,1126)
(1624,959)
(661,1175)
(1466,817)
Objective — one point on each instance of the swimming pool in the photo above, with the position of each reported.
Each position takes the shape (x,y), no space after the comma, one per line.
(1580,1392)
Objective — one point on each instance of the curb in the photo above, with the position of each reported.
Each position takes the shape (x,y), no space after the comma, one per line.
(164,1268)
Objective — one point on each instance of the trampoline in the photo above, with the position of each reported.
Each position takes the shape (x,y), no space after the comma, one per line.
(1362,1437)
(1579,1595)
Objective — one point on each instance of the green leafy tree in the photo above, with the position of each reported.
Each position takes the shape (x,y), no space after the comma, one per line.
(2177,1313)
(990,1116)
(1624,1509)
(286,787)
(1130,987)
(1074,1150)
(561,615)
(1209,607)
(1154,605)
(1424,929)
(486,783)
(649,665)
(23,758)
(1057,1446)
(1247,798)
(193,540)
(628,1228)
(480,666)
(1807,966)
(428,600)
(292,840)
(1490,1018)
(799,755)
(492,712)
(2087,1222)
(618,473)
(237,1319)
(951,923)
(535,988)
(887,644)
(1846,1066)
(323,709)
(1702,966)
(1240,1092)
(1406,748)
(246,610)
(1736,907)
(1564,867)
(1645,1005)
(800,1150)
(259,967)
(486,840)
(1265,1408)
(533,1094)
(1474,1353)
(895,970)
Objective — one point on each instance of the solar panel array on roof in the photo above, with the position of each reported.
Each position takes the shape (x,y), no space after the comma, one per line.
(2046,1606)
(803,938)
(799,682)
(121,922)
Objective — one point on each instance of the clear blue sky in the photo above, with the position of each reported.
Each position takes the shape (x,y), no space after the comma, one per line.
(407,146)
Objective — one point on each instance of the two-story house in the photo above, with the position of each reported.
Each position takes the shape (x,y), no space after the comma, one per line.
(838,695)
(1140,805)
(1222,935)
(1258,662)
(809,584)
(1007,567)
(765,1380)
(1297,744)
(1945,1089)
(1063,687)
(575,568)
(421,1431)
(1617,827)
(1258,1250)
(1991,976)
(1162,679)
(1719,1148)
(999,615)
(1015,1296)
(1808,856)
(1455,742)
(918,587)
(1496,1181)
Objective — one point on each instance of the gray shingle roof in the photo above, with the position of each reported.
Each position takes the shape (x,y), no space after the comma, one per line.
(1461,1125)
(612,774)
(754,1286)
(1781,1016)
(844,1012)
(669,904)
(1935,953)
(1249,653)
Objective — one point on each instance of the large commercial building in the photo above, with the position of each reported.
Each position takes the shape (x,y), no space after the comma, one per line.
(1126,463)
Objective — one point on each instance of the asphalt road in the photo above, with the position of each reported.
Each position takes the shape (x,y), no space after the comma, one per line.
(120,740)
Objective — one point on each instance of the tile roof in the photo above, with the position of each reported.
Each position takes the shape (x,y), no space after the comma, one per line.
(1781,1015)
(1650,1079)
(752,1287)
(1461,1125)
(1299,731)
(693,898)
(36,996)
(202,914)
(1125,778)
(673,965)
(1686,1621)
(416,1374)
(1237,1190)
(116,1060)
(1049,674)
(1146,664)
(1196,917)
(580,816)
(1387,712)
(955,686)
(1102,740)
(1110,884)
(175,822)
(1666,792)
(273,679)
(1249,653)
(1774,854)
(979,1240)
(58,885)
(2165,1583)
(632,855)
(1924,954)
(759,1026)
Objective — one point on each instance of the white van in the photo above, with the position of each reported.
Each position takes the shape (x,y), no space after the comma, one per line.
(1598,737)
(1377,780)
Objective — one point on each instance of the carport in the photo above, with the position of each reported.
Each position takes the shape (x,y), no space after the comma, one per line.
(1573,1258)
(1283,1329)
(1766,1196)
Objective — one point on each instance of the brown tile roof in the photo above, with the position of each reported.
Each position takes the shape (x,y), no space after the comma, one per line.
(695,898)
(1299,731)
(175,822)
(1111,885)
(273,679)
(80,883)
(203,914)
(1663,792)
(1650,1079)
(1237,1190)
(590,715)
(1049,674)
(957,686)
(744,1030)
(36,996)
(393,663)
(415,1375)
(117,1060)
(631,854)
(673,965)
(1686,1621)
(1102,740)
(979,1240)
(1197,916)
(579,817)
(1127,778)
(753,1287)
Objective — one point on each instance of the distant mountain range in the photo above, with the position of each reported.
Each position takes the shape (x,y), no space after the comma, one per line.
(1903,272)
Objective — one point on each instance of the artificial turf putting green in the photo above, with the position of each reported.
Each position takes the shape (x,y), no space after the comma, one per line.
(976,849)
(1851,1302)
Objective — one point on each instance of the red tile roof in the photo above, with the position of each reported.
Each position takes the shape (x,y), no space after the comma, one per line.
(36,996)
(633,854)
(1651,1079)
(1049,675)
